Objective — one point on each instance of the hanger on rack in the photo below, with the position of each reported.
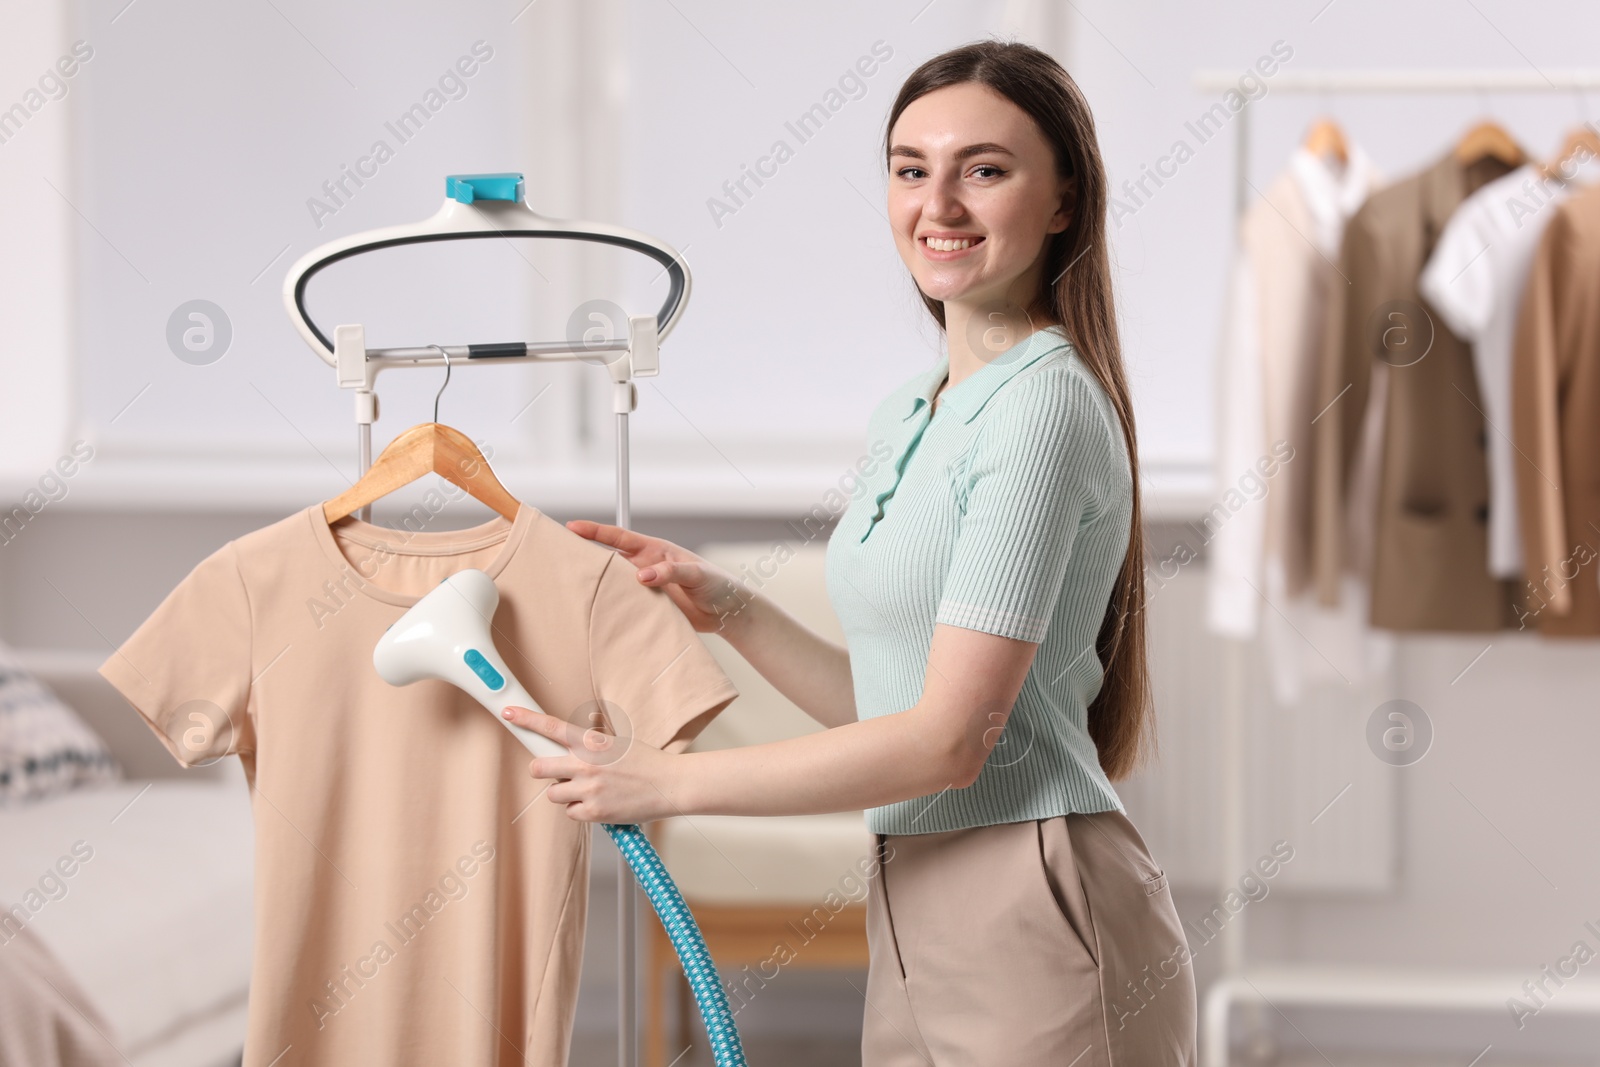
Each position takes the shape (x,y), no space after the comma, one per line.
(1579,139)
(1489,139)
(1326,140)
(426,448)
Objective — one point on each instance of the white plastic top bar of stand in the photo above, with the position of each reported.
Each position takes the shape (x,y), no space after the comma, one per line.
(490,217)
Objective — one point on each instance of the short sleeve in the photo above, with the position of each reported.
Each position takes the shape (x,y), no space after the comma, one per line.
(1458,281)
(186,669)
(1042,461)
(651,669)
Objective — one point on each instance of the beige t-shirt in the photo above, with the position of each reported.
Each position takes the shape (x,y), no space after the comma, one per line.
(417,899)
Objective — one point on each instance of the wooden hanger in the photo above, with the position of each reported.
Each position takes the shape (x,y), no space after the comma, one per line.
(1489,139)
(1578,138)
(1325,139)
(427,448)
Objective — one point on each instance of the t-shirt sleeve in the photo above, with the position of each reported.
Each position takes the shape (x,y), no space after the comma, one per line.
(654,676)
(1041,465)
(186,669)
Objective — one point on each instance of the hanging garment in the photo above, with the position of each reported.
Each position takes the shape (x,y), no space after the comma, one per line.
(417,899)
(1474,281)
(1258,552)
(1555,420)
(1430,544)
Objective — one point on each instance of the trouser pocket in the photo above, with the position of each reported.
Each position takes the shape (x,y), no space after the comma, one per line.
(1064,893)
(883,947)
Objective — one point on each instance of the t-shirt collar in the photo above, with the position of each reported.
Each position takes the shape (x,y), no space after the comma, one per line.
(967,397)
(425,542)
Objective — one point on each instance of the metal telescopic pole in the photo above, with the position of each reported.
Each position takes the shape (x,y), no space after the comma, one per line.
(627,899)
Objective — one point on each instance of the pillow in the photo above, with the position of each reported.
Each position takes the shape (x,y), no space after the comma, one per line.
(45,748)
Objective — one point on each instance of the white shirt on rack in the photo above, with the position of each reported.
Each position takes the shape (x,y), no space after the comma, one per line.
(1258,534)
(1474,281)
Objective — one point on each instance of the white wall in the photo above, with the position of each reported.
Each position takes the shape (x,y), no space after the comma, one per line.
(37,187)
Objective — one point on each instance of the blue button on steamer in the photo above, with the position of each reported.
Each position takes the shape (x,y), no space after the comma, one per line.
(485,670)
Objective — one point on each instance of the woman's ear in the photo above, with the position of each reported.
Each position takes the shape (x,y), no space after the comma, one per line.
(1064,215)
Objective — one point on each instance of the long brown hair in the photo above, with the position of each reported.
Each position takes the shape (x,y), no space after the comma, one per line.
(1079,297)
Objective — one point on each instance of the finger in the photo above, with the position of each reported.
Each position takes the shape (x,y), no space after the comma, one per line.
(566,794)
(560,793)
(548,725)
(561,768)
(581,813)
(633,546)
(663,572)
(624,540)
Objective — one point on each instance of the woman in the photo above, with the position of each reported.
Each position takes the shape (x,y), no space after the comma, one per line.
(989,582)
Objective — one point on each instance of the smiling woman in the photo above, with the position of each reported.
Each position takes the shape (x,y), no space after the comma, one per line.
(1007,556)
(990,573)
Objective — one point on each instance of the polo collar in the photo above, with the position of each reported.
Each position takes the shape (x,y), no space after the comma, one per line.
(967,397)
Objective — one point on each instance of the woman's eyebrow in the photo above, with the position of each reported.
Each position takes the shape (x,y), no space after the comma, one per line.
(965,153)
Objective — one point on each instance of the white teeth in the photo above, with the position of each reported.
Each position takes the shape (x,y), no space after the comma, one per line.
(939,244)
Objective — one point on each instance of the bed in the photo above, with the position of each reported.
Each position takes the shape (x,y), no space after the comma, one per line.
(128,938)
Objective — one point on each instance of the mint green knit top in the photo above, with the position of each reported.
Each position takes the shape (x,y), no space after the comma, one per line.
(1006,511)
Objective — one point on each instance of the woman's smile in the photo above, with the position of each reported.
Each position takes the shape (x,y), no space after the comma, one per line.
(944,247)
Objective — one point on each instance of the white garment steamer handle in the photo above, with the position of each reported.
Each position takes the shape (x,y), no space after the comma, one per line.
(447,636)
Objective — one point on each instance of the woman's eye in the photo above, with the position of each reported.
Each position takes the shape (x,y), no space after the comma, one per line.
(918,172)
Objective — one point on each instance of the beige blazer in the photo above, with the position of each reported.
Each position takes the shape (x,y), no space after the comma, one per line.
(1274,325)
(1555,417)
(1429,568)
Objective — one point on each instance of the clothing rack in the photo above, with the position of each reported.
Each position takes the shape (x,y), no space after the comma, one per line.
(1311,984)
(493,207)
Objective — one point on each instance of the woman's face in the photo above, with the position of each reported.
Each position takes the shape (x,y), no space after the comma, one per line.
(968,165)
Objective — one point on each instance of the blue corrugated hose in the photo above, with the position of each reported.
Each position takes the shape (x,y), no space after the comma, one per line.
(679,922)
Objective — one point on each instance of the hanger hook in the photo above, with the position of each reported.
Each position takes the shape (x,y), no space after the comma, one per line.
(440,393)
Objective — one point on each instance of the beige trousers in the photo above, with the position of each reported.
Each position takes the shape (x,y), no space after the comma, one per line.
(1050,941)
